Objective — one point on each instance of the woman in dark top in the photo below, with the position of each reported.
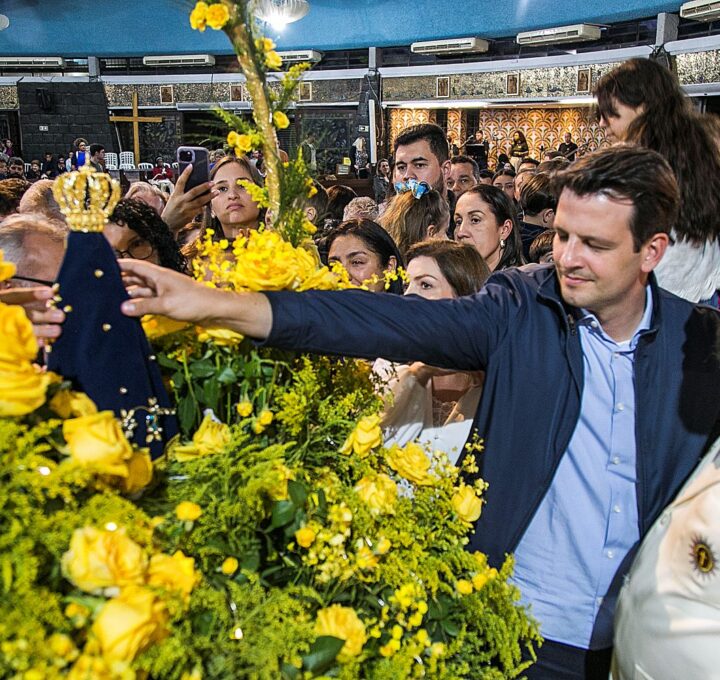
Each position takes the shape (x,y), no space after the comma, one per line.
(381,180)
(518,149)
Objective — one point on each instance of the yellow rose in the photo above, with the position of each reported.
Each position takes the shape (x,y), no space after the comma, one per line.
(305,537)
(244,143)
(156,326)
(217,16)
(265,418)
(89,667)
(220,336)
(97,441)
(198,17)
(382,546)
(99,559)
(140,471)
(411,462)
(8,269)
(22,388)
(211,437)
(479,581)
(280,120)
(366,559)
(379,492)
(464,587)
(17,340)
(273,60)
(244,409)
(466,503)
(278,491)
(265,44)
(61,645)
(69,404)
(366,436)
(129,624)
(229,566)
(187,511)
(173,573)
(343,623)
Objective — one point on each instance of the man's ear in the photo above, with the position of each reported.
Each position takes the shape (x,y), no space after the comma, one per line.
(311,213)
(445,167)
(652,251)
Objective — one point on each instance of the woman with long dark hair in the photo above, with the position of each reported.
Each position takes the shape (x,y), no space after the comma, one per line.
(640,102)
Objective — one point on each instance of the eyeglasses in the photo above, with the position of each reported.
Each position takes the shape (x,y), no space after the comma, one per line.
(418,189)
(141,250)
(30,279)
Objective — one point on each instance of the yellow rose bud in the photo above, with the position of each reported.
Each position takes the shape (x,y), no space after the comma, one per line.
(466,503)
(220,336)
(198,17)
(437,649)
(366,559)
(258,428)
(173,573)
(366,436)
(464,587)
(412,463)
(382,546)
(229,566)
(217,16)
(232,138)
(243,144)
(69,404)
(278,491)
(280,120)
(96,441)
(265,417)
(156,326)
(188,511)
(273,60)
(211,437)
(244,409)
(379,492)
(140,472)
(77,613)
(129,624)
(305,537)
(343,623)
(265,44)
(62,645)
(99,559)
(479,581)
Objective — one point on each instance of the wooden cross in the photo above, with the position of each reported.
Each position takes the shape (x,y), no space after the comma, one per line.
(135,119)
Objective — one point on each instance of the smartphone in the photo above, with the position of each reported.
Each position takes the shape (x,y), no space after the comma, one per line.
(198,157)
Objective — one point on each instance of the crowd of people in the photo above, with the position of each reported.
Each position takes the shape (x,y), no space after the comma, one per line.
(592,375)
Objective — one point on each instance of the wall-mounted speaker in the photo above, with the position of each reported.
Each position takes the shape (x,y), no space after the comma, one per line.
(44,99)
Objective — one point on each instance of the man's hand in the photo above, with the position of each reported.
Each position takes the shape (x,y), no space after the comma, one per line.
(46,322)
(157,290)
(183,206)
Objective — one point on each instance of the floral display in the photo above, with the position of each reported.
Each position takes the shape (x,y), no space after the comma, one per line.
(276,537)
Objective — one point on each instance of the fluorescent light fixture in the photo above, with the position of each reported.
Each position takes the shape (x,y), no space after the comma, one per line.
(280,13)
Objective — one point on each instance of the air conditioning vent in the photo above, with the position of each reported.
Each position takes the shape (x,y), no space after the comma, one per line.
(454,46)
(700,10)
(32,62)
(561,34)
(297,56)
(175,60)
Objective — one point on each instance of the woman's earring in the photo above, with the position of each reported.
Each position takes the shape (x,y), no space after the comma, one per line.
(502,243)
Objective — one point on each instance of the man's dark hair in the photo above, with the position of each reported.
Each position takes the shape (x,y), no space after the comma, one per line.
(631,174)
(504,171)
(431,133)
(485,174)
(542,245)
(11,191)
(529,161)
(147,224)
(537,194)
(455,160)
(16,160)
(338,196)
(95,148)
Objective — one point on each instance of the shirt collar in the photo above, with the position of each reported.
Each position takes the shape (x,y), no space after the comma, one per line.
(589,320)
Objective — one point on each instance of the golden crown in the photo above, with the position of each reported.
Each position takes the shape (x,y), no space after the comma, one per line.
(86,198)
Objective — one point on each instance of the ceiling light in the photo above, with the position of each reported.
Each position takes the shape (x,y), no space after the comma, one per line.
(280,13)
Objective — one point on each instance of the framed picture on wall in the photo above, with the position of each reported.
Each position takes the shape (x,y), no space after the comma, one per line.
(236,93)
(305,93)
(583,80)
(166,94)
(442,87)
(512,84)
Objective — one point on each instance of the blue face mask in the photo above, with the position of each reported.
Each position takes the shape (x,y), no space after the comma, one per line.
(418,189)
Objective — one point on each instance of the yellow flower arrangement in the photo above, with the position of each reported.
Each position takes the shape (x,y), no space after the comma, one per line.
(211,437)
(345,624)
(467,504)
(411,462)
(96,441)
(176,572)
(70,404)
(139,472)
(366,436)
(99,559)
(379,492)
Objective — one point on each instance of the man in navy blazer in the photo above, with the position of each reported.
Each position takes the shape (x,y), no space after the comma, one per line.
(600,391)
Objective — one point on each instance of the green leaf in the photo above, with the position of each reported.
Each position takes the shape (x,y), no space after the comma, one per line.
(282,514)
(178,379)
(211,392)
(186,412)
(450,627)
(227,376)
(297,492)
(251,562)
(322,653)
(202,623)
(167,362)
(202,369)
(289,672)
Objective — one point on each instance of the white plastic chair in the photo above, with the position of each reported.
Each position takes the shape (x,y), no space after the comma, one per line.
(111,161)
(27,168)
(145,166)
(127,160)
(176,166)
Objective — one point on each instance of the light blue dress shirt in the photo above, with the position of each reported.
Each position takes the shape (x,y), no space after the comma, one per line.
(588,521)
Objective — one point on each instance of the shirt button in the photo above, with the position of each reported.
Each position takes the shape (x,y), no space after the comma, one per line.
(616,355)
(610,554)
(616,508)
(593,324)
(620,407)
(616,460)
(598,601)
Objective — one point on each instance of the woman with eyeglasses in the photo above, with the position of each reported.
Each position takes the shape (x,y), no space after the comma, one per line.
(135,230)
